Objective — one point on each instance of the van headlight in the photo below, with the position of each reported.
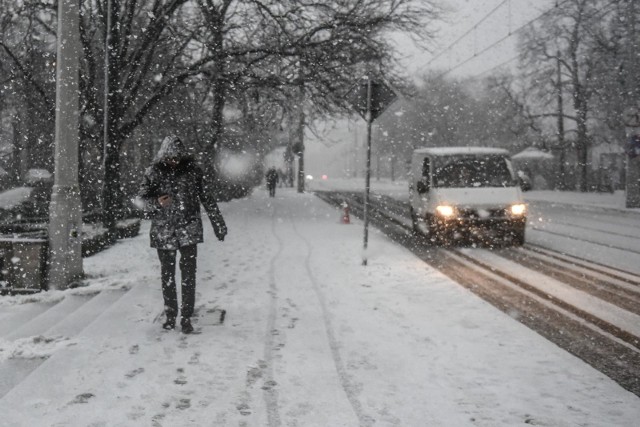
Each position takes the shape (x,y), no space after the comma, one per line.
(445,211)
(518,209)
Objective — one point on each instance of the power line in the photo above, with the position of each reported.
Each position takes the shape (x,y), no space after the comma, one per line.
(510,34)
(467,32)
(491,46)
(500,65)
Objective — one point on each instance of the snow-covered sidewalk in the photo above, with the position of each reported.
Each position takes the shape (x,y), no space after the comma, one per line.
(311,338)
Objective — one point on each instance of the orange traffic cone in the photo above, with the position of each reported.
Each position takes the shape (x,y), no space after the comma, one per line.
(345,214)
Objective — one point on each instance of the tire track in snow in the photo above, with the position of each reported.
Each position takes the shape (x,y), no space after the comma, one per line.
(566,236)
(270,392)
(349,388)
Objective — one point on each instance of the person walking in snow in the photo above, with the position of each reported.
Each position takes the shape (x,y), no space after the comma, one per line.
(172,190)
(272,180)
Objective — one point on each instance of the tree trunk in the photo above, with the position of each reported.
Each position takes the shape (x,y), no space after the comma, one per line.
(288,160)
(210,158)
(16,161)
(112,192)
(561,182)
(582,145)
(393,168)
(300,118)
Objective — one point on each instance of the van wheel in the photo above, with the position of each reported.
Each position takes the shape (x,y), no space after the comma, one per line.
(415,222)
(517,237)
(435,237)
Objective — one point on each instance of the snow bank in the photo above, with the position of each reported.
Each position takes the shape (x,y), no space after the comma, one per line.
(38,347)
(12,198)
(95,285)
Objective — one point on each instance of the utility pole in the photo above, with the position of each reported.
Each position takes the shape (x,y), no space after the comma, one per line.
(356,151)
(561,142)
(632,91)
(300,129)
(110,195)
(65,211)
(300,138)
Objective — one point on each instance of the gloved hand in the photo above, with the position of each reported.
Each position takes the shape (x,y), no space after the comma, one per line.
(220,235)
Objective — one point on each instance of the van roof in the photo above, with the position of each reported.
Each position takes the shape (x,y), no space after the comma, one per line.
(452,151)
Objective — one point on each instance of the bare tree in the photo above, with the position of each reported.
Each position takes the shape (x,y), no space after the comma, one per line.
(311,51)
(565,37)
(225,50)
(26,81)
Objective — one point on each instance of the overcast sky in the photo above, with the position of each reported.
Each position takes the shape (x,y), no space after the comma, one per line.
(465,15)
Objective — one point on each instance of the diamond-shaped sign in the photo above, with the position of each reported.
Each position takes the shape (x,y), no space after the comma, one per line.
(381,97)
(633,146)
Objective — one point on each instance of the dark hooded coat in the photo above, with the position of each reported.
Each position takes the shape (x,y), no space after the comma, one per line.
(180,223)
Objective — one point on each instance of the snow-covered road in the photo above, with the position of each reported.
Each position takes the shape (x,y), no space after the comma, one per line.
(311,338)
(592,226)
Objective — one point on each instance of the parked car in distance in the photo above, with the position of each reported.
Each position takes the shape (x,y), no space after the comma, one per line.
(466,193)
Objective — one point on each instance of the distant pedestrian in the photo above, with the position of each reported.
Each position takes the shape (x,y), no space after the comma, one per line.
(272,180)
(172,190)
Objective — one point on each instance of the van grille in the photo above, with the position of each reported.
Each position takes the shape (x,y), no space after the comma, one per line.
(480,214)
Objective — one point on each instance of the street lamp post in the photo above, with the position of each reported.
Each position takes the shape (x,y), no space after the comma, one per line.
(65,211)
(367,182)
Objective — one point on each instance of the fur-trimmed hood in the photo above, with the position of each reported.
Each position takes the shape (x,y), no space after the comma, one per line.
(171,147)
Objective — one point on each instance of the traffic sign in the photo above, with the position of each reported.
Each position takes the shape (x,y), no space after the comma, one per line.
(381,97)
(631,117)
(633,146)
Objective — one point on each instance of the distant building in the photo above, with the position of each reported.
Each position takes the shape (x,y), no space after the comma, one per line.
(538,165)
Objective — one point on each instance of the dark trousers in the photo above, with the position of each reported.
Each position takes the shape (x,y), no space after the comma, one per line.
(272,189)
(188,257)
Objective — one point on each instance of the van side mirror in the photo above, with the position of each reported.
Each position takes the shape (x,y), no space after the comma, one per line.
(422,186)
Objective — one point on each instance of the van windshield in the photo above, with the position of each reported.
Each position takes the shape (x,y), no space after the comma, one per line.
(473,171)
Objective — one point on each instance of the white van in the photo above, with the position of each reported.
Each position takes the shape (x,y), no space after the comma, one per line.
(462,192)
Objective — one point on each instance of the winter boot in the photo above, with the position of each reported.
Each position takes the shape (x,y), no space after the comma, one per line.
(170,323)
(187,328)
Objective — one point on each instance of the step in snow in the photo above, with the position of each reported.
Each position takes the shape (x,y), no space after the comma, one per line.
(75,322)
(117,317)
(40,324)
(14,316)
(13,371)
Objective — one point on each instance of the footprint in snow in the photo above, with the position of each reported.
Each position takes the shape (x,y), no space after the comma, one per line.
(134,373)
(292,322)
(181,380)
(244,409)
(269,385)
(155,420)
(136,413)
(253,374)
(184,404)
(82,398)
(195,358)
